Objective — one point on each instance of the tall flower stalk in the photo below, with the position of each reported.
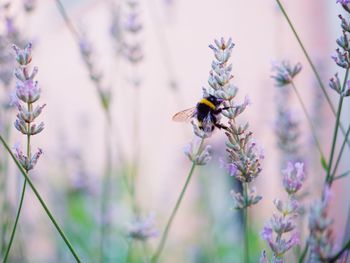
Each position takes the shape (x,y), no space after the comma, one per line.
(27,93)
(244,156)
(133,53)
(198,155)
(284,222)
(284,75)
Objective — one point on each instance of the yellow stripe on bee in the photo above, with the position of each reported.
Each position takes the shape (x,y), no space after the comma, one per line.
(208,103)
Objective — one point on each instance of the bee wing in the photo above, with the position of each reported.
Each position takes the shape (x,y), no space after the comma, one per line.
(185,115)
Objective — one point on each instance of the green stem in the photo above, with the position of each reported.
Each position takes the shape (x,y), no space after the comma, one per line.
(335,134)
(312,127)
(16,222)
(29,106)
(106,190)
(49,214)
(245,223)
(340,253)
(172,216)
(317,75)
(341,175)
(303,255)
(341,152)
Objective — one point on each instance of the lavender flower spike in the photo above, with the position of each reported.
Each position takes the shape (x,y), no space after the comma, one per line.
(293,177)
(285,72)
(283,223)
(196,153)
(27,93)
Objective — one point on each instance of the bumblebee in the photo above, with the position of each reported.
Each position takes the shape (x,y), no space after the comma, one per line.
(207,112)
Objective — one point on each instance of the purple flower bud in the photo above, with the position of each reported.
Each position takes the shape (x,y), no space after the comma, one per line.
(34,129)
(346,92)
(334,83)
(196,153)
(28,91)
(23,56)
(21,126)
(293,177)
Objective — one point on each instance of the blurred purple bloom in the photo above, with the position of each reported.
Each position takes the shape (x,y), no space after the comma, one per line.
(343,2)
(293,177)
(284,72)
(143,228)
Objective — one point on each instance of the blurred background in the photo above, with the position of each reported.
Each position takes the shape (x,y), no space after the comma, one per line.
(163,71)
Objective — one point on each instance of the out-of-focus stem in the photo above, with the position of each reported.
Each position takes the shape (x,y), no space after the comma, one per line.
(312,127)
(106,191)
(340,253)
(43,204)
(245,223)
(166,54)
(173,213)
(341,175)
(317,75)
(303,254)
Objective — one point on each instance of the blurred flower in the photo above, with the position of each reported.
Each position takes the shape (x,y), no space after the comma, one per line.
(197,153)
(29,5)
(343,2)
(132,48)
(321,237)
(274,231)
(287,132)
(239,202)
(285,72)
(143,228)
(293,177)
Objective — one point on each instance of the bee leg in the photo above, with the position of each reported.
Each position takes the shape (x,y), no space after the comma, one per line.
(221,109)
(221,126)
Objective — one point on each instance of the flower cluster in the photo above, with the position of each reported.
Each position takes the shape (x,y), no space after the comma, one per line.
(143,228)
(87,54)
(284,222)
(197,153)
(132,48)
(244,157)
(344,4)
(27,93)
(284,72)
(320,240)
(342,59)
(287,130)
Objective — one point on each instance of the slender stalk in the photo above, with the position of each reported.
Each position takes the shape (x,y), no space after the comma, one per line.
(341,152)
(173,213)
(43,204)
(245,223)
(106,191)
(341,175)
(29,105)
(340,253)
(335,134)
(16,222)
(317,75)
(303,255)
(312,127)
(67,20)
